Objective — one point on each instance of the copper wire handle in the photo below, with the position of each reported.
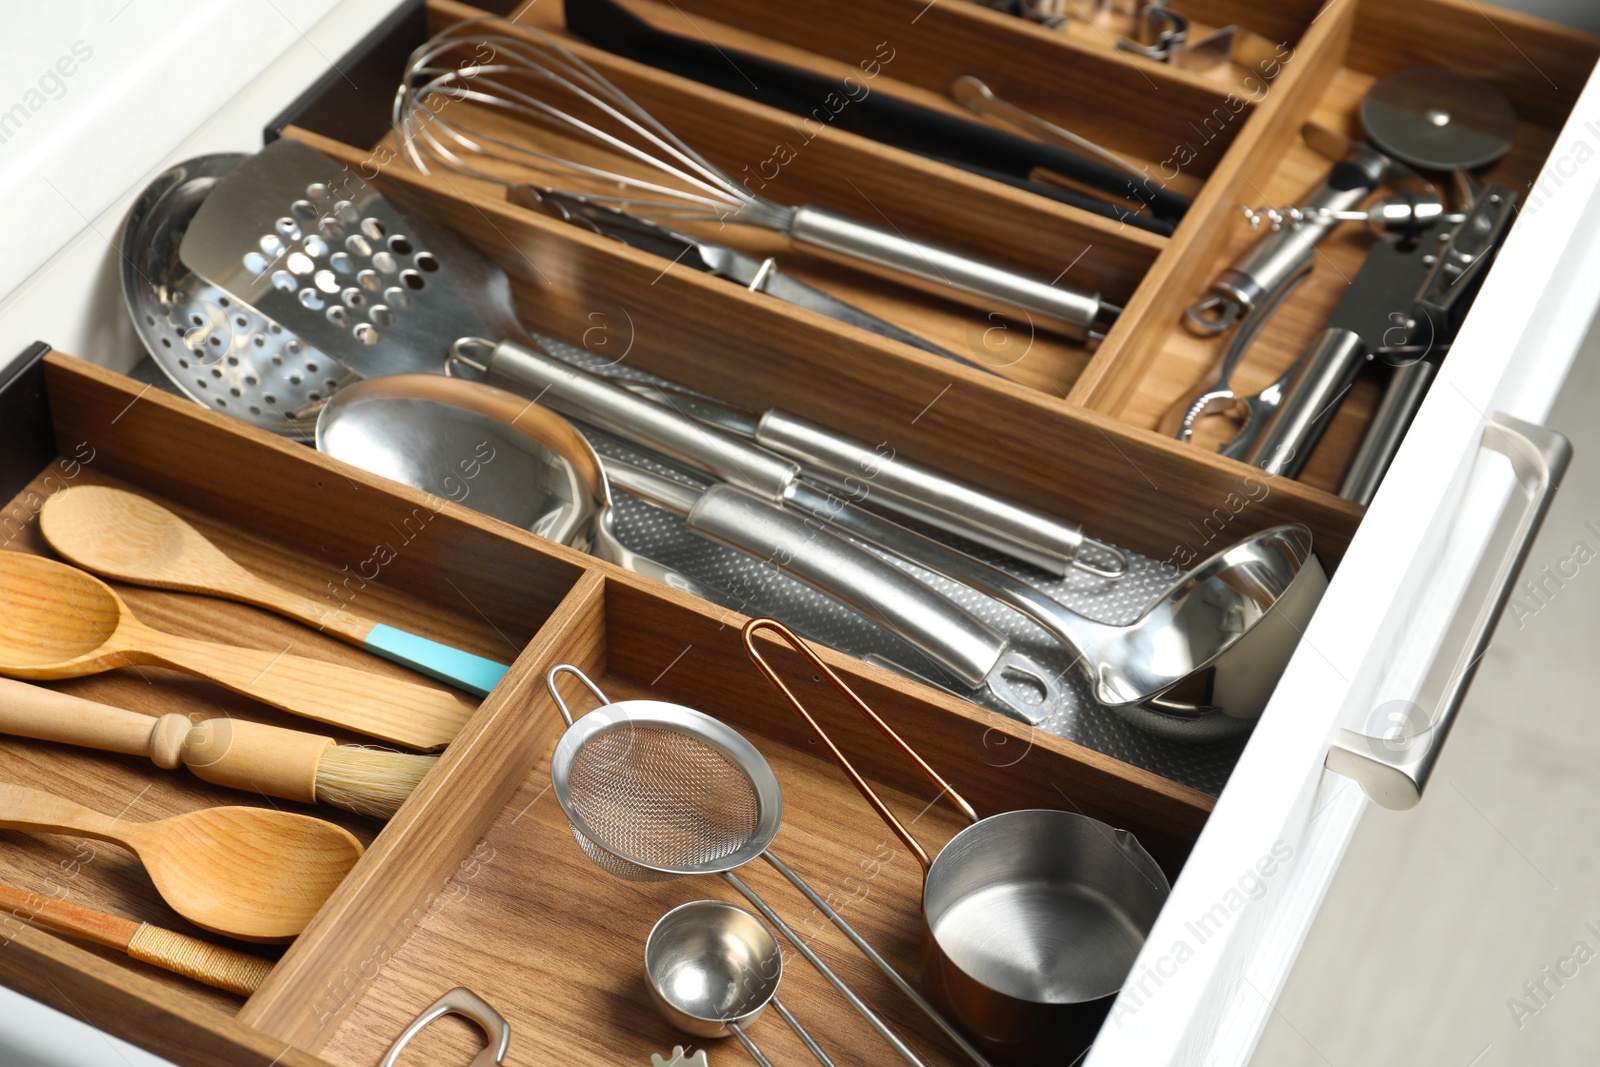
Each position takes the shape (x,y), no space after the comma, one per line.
(794,642)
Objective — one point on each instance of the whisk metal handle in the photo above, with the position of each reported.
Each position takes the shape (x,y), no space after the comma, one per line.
(941,271)
(882,592)
(575,392)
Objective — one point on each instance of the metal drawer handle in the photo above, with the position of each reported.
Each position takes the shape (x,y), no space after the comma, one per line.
(1395,770)
(465,1002)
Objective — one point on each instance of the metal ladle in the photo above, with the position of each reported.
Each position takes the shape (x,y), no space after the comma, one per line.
(428,431)
(713,968)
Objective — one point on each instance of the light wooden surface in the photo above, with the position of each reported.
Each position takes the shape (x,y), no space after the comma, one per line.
(504,905)
(121,535)
(246,873)
(1143,108)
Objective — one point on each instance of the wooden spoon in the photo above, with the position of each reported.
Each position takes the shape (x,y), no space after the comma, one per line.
(62,623)
(125,536)
(250,873)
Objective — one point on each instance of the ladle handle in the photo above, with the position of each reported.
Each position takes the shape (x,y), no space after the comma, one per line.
(925,494)
(22,808)
(789,637)
(917,613)
(398,711)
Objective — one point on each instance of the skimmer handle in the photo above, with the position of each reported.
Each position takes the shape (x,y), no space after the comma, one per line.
(789,637)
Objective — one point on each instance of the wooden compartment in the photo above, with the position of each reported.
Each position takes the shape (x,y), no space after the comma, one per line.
(1021,439)
(476,880)
(1151,363)
(557,944)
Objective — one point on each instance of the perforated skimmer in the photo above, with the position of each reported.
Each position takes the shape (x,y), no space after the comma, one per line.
(654,791)
(216,349)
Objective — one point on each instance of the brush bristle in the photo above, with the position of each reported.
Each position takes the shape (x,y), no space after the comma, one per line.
(369,781)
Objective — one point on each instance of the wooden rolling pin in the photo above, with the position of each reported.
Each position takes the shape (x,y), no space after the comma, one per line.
(215,965)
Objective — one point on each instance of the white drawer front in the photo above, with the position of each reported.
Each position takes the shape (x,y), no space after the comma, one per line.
(1203,988)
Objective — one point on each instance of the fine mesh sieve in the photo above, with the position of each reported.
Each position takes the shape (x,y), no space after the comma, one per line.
(654,791)
(664,796)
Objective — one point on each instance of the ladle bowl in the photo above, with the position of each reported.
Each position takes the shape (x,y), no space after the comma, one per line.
(1204,658)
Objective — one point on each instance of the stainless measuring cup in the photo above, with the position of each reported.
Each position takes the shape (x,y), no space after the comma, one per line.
(713,968)
(1031,919)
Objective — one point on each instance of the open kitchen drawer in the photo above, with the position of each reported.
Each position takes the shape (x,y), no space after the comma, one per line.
(1254,876)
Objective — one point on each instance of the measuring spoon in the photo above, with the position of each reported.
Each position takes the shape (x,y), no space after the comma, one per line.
(64,623)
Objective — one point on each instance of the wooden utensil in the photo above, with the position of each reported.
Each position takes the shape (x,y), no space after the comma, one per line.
(237,753)
(63,623)
(124,536)
(215,965)
(250,873)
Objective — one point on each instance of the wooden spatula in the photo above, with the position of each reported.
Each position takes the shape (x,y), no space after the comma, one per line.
(60,622)
(125,536)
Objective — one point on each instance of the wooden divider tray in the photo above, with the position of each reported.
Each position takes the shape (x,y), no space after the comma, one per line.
(477,880)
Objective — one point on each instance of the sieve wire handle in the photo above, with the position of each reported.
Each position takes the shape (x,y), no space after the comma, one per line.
(561,705)
(805,950)
(788,636)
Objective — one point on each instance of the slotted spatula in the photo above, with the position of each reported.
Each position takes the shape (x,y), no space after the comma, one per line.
(311,244)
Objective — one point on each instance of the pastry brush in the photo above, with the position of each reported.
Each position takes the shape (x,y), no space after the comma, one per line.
(237,753)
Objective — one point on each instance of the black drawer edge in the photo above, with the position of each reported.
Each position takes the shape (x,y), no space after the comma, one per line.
(27,432)
(351,101)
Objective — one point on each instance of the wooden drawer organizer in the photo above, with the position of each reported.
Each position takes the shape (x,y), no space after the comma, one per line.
(1069,429)
(477,881)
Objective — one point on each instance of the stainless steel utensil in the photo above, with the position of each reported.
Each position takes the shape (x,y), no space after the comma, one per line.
(1275,263)
(656,791)
(533,78)
(312,244)
(1031,919)
(1198,664)
(796,445)
(429,431)
(539,474)
(697,253)
(1439,120)
(215,348)
(713,968)
(467,1004)
(1452,285)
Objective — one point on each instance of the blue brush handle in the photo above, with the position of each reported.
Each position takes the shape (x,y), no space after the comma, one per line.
(473,673)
